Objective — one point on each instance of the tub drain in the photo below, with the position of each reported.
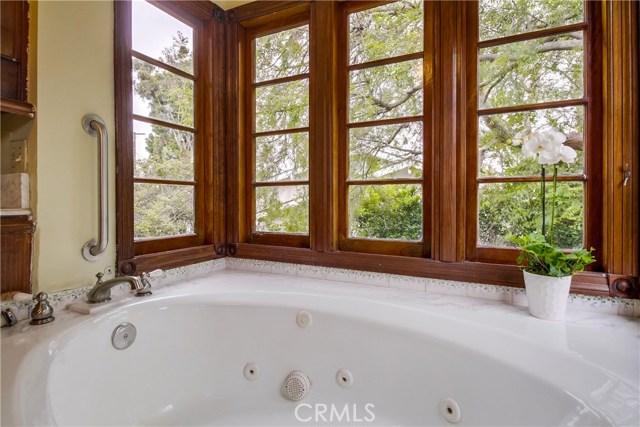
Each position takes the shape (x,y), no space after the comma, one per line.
(297,385)
(123,336)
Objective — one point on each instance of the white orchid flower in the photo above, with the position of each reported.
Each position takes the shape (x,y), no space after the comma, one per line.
(548,146)
(567,154)
(533,146)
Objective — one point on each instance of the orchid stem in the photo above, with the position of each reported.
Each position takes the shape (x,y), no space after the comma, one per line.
(553,205)
(544,202)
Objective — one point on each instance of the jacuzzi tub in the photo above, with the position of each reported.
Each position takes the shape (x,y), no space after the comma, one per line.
(407,353)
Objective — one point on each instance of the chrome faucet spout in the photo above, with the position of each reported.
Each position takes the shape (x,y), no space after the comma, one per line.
(101,291)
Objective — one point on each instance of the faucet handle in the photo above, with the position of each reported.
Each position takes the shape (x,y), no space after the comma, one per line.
(146,283)
(99,276)
(144,277)
(42,311)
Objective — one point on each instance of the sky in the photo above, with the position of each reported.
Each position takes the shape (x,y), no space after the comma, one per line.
(152,32)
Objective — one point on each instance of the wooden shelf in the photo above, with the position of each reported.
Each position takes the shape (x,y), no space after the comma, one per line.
(17,107)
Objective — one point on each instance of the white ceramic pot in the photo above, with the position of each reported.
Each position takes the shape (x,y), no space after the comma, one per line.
(547,296)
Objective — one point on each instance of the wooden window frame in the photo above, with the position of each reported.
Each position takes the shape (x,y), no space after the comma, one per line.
(133,257)
(449,55)
(275,24)
(592,104)
(450,51)
(421,248)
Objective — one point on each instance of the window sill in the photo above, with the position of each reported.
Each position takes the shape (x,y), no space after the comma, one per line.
(170,259)
(586,283)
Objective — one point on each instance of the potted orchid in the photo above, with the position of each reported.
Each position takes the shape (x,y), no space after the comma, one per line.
(547,268)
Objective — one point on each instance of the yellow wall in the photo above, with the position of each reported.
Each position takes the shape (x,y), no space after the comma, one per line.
(74,77)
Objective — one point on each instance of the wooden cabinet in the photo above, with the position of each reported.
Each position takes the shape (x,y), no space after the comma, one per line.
(16,242)
(14,41)
(14,16)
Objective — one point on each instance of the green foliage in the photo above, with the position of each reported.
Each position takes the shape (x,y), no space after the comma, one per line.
(389,212)
(514,208)
(539,70)
(282,157)
(282,209)
(391,30)
(282,54)
(499,18)
(540,257)
(543,69)
(282,106)
(165,210)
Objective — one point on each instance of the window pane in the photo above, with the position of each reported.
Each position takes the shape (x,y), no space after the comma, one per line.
(161,36)
(547,69)
(282,209)
(515,208)
(282,157)
(386,31)
(499,18)
(391,151)
(500,139)
(162,152)
(387,91)
(162,210)
(161,94)
(386,211)
(282,54)
(282,106)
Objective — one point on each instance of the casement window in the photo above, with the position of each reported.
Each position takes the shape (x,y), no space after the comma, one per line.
(417,120)
(164,126)
(164,144)
(537,71)
(382,165)
(278,131)
(384,136)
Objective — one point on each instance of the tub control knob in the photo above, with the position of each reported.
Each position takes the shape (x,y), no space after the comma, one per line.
(42,312)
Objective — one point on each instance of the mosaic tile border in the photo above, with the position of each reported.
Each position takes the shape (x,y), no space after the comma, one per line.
(60,300)
(515,296)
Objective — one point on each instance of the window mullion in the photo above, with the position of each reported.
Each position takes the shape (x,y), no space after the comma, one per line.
(447,98)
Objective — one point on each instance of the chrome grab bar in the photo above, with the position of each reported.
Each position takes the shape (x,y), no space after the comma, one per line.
(95,126)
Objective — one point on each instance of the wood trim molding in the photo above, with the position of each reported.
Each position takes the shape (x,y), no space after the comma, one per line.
(198,9)
(258,9)
(17,107)
(621,138)
(123,114)
(210,66)
(169,259)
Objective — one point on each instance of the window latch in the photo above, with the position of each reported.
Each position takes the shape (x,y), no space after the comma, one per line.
(627,175)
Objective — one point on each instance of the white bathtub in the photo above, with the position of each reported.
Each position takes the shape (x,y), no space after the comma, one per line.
(406,351)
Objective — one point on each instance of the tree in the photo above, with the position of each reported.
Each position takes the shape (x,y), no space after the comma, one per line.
(543,69)
(548,68)
(283,157)
(161,209)
(390,212)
